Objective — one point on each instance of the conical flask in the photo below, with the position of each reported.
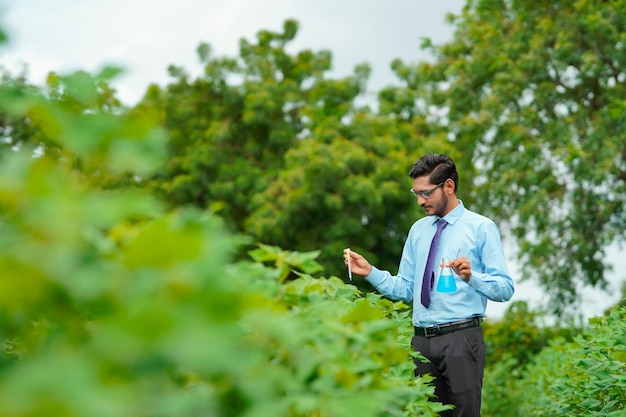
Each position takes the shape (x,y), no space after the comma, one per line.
(446,279)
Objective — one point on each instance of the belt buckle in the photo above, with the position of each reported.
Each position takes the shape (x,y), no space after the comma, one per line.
(431,331)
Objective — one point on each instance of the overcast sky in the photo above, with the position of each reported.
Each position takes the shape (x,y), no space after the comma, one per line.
(145,36)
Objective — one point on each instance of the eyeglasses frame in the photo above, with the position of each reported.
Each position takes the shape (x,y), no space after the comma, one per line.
(428,193)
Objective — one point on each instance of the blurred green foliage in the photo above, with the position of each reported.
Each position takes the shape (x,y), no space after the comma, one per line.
(114,305)
(127,285)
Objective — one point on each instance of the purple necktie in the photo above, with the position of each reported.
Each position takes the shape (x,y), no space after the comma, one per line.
(429,277)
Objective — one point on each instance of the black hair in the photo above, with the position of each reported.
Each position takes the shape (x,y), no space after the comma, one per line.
(438,167)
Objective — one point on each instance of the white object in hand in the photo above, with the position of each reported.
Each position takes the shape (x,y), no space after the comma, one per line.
(349,266)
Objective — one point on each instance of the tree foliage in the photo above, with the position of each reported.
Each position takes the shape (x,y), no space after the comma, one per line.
(284,154)
(537,90)
(529,108)
(231,127)
(114,305)
(527,98)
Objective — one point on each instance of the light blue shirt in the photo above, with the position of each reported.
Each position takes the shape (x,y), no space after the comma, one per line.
(469,234)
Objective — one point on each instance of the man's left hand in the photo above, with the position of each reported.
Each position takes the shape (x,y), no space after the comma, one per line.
(462,267)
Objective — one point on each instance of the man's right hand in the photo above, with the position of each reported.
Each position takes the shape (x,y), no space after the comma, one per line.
(358,264)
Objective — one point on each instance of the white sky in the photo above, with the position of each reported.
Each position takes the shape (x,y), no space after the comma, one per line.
(145,36)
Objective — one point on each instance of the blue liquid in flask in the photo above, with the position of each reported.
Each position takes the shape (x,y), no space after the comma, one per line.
(446,281)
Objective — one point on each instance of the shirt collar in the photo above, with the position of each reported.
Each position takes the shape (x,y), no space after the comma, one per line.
(454,215)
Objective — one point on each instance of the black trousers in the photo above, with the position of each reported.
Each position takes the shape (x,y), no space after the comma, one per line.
(457,362)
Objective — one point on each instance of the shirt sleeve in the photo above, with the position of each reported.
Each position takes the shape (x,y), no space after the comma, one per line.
(396,287)
(495,281)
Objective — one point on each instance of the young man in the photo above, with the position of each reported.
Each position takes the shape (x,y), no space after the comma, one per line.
(447,324)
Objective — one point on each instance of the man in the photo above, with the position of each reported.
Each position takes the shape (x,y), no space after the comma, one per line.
(447,324)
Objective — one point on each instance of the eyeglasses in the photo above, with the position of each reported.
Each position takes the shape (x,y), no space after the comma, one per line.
(428,193)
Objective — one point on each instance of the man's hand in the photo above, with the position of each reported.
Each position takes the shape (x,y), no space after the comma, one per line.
(461,267)
(358,264)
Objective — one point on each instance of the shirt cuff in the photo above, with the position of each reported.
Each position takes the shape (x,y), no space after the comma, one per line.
(376,276)
(474,281)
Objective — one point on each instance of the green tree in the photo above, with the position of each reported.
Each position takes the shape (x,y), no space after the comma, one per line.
(114,306)
(284,154)
(536,90)
(345,186)
(231,127)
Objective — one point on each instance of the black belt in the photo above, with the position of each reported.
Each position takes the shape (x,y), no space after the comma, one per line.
(440,329)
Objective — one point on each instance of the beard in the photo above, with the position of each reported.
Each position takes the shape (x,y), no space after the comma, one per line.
(436,208)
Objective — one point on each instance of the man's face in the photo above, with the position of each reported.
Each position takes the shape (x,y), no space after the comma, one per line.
(432,197)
